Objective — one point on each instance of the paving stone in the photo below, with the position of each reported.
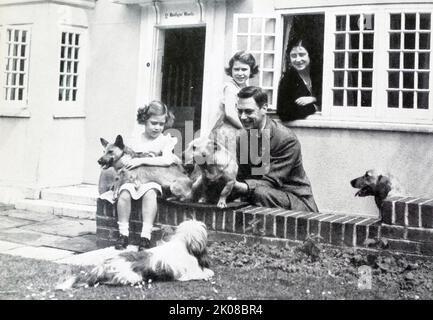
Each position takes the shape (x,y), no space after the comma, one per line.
(29,237)
(78,244)
(7,245)
(28,215)
(64,227)
(10,222)
(95,257)
(42,253)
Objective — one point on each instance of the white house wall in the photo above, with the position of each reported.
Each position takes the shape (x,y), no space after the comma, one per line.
(42,145)
(111,78)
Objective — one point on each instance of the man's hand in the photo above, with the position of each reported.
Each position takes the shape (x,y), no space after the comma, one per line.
(303,101)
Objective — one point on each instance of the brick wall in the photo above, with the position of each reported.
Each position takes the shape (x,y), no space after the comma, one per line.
(406,224)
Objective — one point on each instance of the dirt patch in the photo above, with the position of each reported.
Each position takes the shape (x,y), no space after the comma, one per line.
(389,276)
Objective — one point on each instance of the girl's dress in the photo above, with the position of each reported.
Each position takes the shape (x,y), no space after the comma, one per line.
(230,93)
(163,144)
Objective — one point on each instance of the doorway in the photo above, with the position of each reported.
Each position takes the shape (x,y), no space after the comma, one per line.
(182,74)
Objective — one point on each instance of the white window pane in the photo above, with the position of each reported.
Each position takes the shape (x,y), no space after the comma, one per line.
(340,23)
(243,25)
(256,43)
(424,21)
(255,81)
(270,26)
(268,79)
(242,43)
(269,43)
(395,22)
(268,60)
(422,98)
(256,25)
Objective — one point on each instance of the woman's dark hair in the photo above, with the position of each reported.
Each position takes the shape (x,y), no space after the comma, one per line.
(259,96)
(244,57)
(155,108)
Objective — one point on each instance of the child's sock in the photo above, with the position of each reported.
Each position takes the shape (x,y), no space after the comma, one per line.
(123,228)
(146,231)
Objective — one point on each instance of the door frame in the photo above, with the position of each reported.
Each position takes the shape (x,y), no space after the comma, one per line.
(152,36)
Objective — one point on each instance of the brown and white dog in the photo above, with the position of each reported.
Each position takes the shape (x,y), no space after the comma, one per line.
(377,184)
(215,170)
(172,177)
(182,258)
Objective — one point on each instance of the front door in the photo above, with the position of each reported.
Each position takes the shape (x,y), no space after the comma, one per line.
(182,78)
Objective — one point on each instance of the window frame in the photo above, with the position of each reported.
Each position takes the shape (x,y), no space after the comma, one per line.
(278,48)
(75,108)
(379,111)
(14,107)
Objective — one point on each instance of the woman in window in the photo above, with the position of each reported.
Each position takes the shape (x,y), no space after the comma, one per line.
(296,90)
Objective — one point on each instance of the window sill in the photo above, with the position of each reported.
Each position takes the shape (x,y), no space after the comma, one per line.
(14,113)
(321,123)
(69,114)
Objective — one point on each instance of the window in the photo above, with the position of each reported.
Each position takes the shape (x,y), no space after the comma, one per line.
(16,64)
(258,36)
(380,65)
(409,60)
(69,66)
(353,61)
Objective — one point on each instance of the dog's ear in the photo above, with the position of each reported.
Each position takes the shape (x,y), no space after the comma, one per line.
(119,142)
(383,187)
(103,142)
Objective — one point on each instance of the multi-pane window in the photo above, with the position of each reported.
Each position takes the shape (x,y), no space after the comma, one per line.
(409,60)
(257,35)
(16,64)
(353,60)
(69,61)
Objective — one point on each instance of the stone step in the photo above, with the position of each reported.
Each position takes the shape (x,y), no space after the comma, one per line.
(58,208)
(83,194)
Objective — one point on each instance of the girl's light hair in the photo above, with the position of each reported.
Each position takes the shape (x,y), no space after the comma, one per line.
(155,108)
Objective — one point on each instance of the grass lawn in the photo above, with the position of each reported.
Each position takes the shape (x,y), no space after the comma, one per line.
(241,272)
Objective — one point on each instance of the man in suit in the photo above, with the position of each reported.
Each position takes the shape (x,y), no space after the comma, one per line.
(271,173)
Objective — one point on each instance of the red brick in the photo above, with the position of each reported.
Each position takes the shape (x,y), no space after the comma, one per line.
(325,228)
(200,214)
(219,218)
(190,213)
(229,227)
(427,215)
(337,230)
(414,212)
(349,232)
(135,226)
(419,234)
(248,218)
(314,223)
(103,243)
(400,210)
(392,232)
(162,212)
(302,226)
(102,233)
(270,221)
(106,222)
(374,231)
(239,221)
(404,246)
(426,248)
(180,215)
(171,215)
(292,224)
(386,211)
(361,234)
(209,217)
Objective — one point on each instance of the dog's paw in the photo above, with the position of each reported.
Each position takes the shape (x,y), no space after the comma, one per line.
(202,200)
(222,204)
(207,274)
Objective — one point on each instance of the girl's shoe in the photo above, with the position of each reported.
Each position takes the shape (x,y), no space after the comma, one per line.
(122,242)
(144,244)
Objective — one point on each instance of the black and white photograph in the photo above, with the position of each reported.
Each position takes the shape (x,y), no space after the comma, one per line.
(234,151)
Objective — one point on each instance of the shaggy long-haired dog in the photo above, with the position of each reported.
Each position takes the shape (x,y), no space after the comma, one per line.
(377,184)
(182,258)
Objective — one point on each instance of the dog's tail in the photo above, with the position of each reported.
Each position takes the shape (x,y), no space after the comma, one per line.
(85,279)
